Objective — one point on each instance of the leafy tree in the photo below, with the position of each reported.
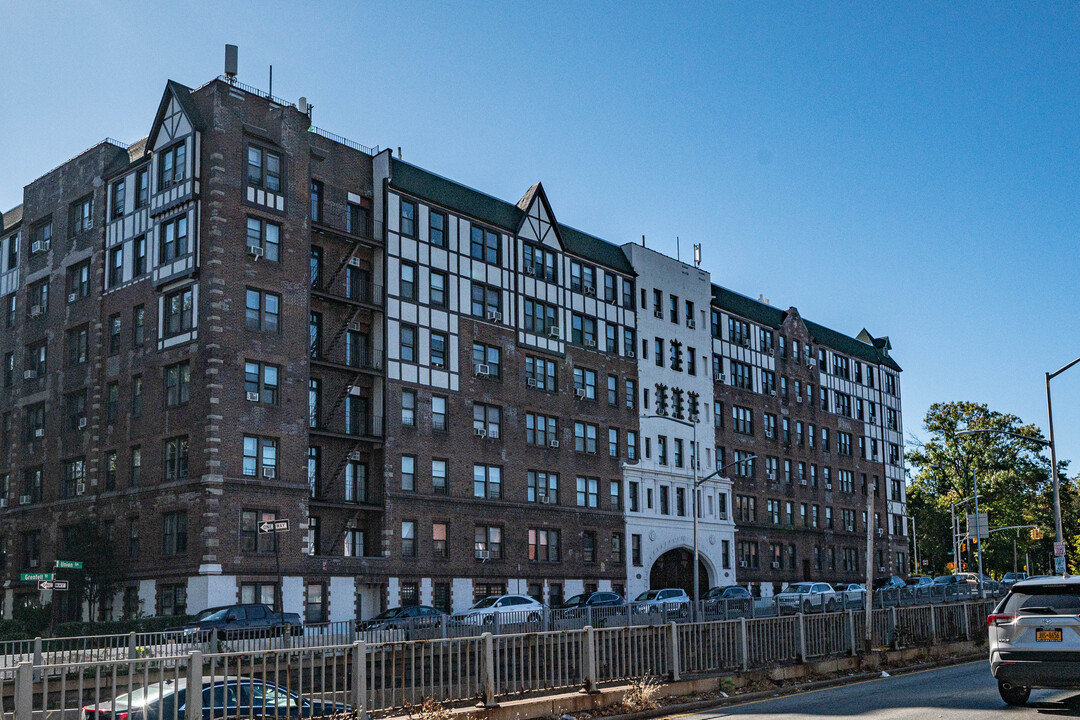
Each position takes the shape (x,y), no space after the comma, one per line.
(103,572)
(1015,486)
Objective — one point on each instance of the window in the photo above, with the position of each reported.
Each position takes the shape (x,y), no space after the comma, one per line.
(78,280)
(745,508)
(173,239)
(261,382)
(314,402)
(440,548)
(408,281)
(583,330)
(408,538)
(74,483)
(407,227)
(540,263)
(487,543)
(742,420)
(439,413)
(487,482)
(41,236)
(484,245)
(172,166)
(440,597)
(748,554)
(408,408)
(139,266)
(741,375)
(262,310)
(178,383)
(408,473)
(136,465)
(38,297)
(543,545)
(82,215)
(588,492)
(661,449)
(585,383)
(315,603)
(174,533)
(540,317)
(486,420)
(176,458)
(260,456)
(9,369)
(438,477)
(488,356)
(266,236)
(263,593)
(408,343)
(116,266)
(264,169)
(631,445)
(540,373)
(486,302)
(438,349)
(179,316)
(112,401)
(613,442)
(543,487)
(316,201)
(665,500)
(588,547)
(635,550)
(110,470)
(78,345)
(172,600)
(585,437)
(437,288)
(541,430)
(34,416)
(251,540)
(114,334)
(437,228)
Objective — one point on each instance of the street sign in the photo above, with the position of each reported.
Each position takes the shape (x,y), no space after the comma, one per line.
(58,585)
(980,525)
(1059,549)
(1059,566)
(925,562)
(273,526)
(31,577)
(69,564)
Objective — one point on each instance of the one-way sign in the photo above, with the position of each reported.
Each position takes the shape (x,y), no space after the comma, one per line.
(273,526)
(52,585)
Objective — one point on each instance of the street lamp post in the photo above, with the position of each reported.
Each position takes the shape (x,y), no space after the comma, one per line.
(915,543)
(1053,455)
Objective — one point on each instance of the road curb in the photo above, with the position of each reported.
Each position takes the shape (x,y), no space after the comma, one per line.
(681,708)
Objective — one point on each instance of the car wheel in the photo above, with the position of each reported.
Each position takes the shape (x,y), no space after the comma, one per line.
(534,617)
(1013,694)
(489,619)
(832,606)
(806,606)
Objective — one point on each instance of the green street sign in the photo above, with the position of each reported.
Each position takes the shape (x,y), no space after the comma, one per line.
(31,577)
(69,564)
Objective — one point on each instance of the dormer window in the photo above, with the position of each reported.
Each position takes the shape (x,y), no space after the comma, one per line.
(171,166)
(264,169)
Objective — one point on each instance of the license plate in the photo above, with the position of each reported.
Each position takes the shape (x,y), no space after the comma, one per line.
(1053,635)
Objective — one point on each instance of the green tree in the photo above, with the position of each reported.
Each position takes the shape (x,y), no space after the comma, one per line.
(1015,486)
(103,572)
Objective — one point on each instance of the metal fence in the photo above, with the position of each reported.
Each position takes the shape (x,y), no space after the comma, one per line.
(384,676)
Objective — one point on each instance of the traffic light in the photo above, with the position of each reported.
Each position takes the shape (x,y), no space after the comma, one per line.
(1036,534)
(963,548)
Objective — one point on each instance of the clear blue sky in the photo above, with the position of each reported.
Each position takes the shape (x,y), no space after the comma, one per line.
(911,168)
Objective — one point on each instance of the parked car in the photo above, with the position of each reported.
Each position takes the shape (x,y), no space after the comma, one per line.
(806,597)
(593,599)
(956,580)
(892,582)
(852,595)
(1035,638)
(727,592)
(919,581)
(508,608)
(403,618)
(235,620)
(731,601)
(1011,578)
(991,585)
(221,697)
(672,600)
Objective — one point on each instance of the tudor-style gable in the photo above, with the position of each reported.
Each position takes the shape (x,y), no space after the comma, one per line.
(176,117)
(538,224)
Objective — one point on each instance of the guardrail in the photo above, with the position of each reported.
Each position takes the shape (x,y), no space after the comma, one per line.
(382,677)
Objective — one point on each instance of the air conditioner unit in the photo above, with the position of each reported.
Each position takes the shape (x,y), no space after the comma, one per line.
(269,473)
(482,370)
(35,246)
(718,377)
(36,310)
(252,396)
(553,444)
(29,375)
(881,531)
(354,262)
(580,393)
(354,326)
(25,499)
(851,528)
(776,565)
(354,455)
(803,482)
(770,475)
(34,562)
(553,331)
(745,342)
(659,314)
(811,362)
(494,316)
(80,488)
(39,432)
(631,354)
(548,500)
(256,251)
(530,269)
(772,393)
(483,554)
(3,502)
(591,344)
(82,423)
(531,382)
(72,297)
(590,290)
(691,324)
(742,563)
(480,432)
(881,569)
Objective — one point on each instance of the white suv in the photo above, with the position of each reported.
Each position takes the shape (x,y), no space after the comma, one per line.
(1035,638)
(509,608)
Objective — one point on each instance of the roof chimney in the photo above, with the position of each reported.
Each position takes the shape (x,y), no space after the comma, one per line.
(763,299)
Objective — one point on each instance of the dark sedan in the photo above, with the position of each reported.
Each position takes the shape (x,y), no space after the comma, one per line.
(414,616)
(221,697)
(593,599)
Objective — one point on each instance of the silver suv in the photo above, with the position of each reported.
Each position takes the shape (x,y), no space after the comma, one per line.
(1035,638)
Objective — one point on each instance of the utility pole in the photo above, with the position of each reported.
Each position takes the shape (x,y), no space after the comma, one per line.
(869,604)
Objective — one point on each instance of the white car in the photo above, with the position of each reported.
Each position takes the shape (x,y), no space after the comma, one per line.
(673,600)
(508,608)
(807,597)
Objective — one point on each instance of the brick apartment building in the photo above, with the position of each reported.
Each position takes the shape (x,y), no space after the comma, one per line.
(242,318)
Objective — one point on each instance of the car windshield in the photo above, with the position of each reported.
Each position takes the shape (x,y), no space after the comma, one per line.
(1044,600)
(576,600)
(942,579)
(799,588)
(486,603)
(391,613)
(211,615)
(648,595)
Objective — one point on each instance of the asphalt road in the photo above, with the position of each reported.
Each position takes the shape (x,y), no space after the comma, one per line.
(960,692)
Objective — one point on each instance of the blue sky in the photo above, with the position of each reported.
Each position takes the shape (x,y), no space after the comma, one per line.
(911,168)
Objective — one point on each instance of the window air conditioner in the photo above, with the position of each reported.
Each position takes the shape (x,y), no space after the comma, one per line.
(3,502)
(770,475)
(803,482)
(354,326)
(554,444)
(828,486)
(776,565)
(39,432)
(745,342)
(590,290)
(269,473)
(35,246)
(691,324)
(255,251)
(659,314)
(480,432)
(591,344)
(72,297)
(718,377)
(25,499)
(354,455)
(36,310)
(742,563)
(80,488)
(482,370)
(881,531)
(881,569)
(580,393)
(82,423)
(252,396)
(590,452)
(354,262)
(530,269)
(483,554)
(494,316)
(548,499)
(553,331)
(630,354)
(851,528)
(30,375)
(530,382)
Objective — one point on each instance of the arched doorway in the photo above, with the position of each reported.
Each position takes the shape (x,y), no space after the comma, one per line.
(675,569)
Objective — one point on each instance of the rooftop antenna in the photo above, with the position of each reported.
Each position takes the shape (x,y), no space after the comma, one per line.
(642,241)
(697,254)
(230,62)
(270,92)
(677,256)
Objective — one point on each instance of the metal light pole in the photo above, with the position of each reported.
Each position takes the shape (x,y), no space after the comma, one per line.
(915,543)
(978,539)
(1059,535)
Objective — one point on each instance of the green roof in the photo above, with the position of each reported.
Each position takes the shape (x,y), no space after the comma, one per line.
(508,216)
(765,314)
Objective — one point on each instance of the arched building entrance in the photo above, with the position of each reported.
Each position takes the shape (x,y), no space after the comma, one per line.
(675,569)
